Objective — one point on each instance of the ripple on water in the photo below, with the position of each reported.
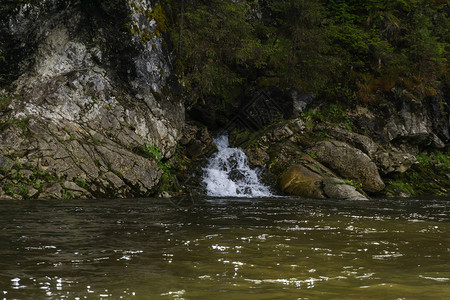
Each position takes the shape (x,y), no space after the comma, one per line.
(275,247)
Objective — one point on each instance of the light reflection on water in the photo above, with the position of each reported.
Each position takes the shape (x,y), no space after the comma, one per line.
(225,248)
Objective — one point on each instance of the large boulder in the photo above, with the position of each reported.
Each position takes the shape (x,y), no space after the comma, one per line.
(350,163)
(311,179)
(359,141)
(298,180)
(89,90)
(392,161)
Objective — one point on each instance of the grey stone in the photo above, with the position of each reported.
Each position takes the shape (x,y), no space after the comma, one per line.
(197,141)
(394,162)
(359,141)
(32,192)
(337,189)
(412,126)
(54,191)
(349,163)
(69,185)
(257,157)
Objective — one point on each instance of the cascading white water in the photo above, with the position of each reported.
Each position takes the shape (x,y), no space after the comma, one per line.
(228,174)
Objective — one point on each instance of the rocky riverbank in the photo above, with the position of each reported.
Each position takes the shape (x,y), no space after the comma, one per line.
(323,153)
(91,107)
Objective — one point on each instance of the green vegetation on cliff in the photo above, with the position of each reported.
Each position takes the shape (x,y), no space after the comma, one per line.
(429,177)
(340,49)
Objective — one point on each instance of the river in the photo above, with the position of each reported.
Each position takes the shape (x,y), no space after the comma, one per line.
(218,248)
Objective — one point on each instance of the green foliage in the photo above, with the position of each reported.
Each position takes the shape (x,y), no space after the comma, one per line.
(151,152)
(332,114)
(312,155)
(168,181)
(159,16)
(440,159)
(348,50)
(399,185)
(17,184)
(4,102)
(427,177)
(217,48)
(80,182)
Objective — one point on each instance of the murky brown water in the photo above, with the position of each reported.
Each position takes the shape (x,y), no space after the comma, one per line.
(225,249)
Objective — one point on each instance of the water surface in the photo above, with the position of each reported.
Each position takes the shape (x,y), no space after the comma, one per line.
(275,248)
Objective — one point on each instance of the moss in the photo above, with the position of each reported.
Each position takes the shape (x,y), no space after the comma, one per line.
(168,181)
(428,177)
(4,102)
(158,14)
(80,182)
(67,195)
(334,114)
(22,123)
(398,186)
(16,183)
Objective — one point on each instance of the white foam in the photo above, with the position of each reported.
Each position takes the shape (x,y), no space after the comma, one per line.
(228,174)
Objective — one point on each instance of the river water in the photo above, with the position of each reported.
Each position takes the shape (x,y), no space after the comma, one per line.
(218,248)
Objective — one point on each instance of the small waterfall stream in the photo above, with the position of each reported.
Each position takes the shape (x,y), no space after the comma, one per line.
(228,174)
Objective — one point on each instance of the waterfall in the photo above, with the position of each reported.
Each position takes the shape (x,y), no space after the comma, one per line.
(228,174)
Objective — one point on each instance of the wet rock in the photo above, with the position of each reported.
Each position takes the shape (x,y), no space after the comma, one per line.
(300,181)
(140,173)
(32,193)
(4,196)
(69,185)
(53,191)
(311,179)
(164,195)
(114,182)
(349,163)
(338,189)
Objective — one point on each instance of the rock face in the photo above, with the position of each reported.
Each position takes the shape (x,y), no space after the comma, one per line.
(85,85)
(412,125)
(409,124)
(197,141)
(392,161)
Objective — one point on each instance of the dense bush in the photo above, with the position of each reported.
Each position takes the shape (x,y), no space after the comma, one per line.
(346,50)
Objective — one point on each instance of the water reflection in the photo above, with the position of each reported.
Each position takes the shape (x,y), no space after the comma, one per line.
(224,248)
